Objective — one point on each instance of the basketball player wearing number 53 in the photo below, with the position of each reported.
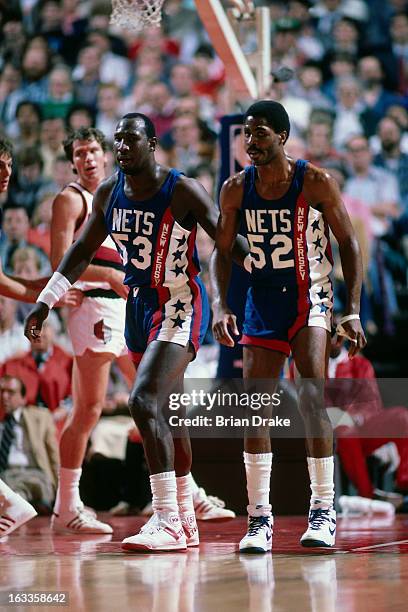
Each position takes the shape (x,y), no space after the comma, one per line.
(151,212)
(287,208)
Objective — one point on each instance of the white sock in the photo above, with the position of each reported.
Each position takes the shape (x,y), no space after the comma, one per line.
(194,486)
(164,492)
(321,472)
(184,494)
(258,474)
(5,491)
(68,499)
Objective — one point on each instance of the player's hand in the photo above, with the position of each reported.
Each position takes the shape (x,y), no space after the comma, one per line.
(355,335)
(72,298)
(116,282)
(224,322)
(34,321)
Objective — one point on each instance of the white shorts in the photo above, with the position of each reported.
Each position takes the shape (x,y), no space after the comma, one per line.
(98,324)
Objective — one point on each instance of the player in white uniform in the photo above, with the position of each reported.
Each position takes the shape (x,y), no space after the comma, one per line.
(96,327)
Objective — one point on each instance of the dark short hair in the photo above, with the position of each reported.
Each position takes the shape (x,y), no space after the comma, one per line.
(148,123)
(274,113)
(83,133)
(36,108)
(23,389)
(6,148)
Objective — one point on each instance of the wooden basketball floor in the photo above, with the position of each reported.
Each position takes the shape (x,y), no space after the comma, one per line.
(367,571)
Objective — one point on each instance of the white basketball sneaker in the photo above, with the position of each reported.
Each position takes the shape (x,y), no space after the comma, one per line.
(322,528)
(188,520)
(14,512)
(163,532)
(82,521)
(210,508)
(258,538)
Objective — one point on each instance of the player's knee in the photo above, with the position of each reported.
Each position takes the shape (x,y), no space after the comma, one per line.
(143,407)
(311,394)
(86,415)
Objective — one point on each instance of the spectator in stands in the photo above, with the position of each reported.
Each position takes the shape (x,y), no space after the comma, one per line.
(26,264)
(160,107)
(60,94)
(13,37)
(87,74)
(188,149)
(35,65)
(320,150)
(10,93)
(391,157)
(375,186)
(114,68)
(62,174)
(52,134)
(109,109)
(12,339)
(29,462)
(15,235)
(399,41)
(26,128)
(376,98)
(45,369)
(370,426)
(349,107)
(339,65)
(80,115)
(309,85)
(29,182)
(181,80)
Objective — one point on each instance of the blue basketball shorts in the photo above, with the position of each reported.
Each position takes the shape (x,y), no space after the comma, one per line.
(274,315)
(180,315)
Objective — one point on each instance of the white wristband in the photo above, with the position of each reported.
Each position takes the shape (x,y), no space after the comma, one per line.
(340,331)
(54,290)
(351,317)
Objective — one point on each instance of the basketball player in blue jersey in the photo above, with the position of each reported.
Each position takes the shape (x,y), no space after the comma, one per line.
(287,208)
(151,212)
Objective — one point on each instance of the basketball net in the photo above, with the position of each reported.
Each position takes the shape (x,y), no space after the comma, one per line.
(136,14)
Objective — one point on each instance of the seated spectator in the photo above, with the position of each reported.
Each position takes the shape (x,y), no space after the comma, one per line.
(35,63)
(320,150)
(60,93)
(109,109)
(87,74)
(28,447)
(25,130)
(309,85)
(376,98)
(29,183)
(189,149)
(15,235)
(375,186)
(39,232)
(114,68)
(370,425)
(10,93)
(349,107)
(52,134)
(80,115)
(62,175)
(391,157)
(12,340)
(25,263)
(46,370)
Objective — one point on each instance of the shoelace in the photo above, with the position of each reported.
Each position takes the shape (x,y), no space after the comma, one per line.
(216,501)
(318,517)
(256,523)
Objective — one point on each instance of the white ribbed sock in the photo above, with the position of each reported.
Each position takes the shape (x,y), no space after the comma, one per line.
(5,490)
(164,492)
(184,494)
(68,499)
(258,474)
(321,472)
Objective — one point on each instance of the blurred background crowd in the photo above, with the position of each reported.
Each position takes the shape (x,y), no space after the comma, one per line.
(344,83)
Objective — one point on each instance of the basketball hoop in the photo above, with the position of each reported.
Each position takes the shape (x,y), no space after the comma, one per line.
(136,14)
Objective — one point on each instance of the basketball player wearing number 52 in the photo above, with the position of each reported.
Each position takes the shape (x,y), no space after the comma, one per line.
(287,208)
(151,212)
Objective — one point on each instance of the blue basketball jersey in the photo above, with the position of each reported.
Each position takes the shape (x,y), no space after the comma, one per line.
(288,239)
(156,251)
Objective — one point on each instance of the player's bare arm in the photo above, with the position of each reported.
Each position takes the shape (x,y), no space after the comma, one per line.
(322,192)
(78,256)
(221,261)
(67,214)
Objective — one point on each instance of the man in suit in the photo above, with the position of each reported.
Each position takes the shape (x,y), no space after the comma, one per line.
(28,446)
